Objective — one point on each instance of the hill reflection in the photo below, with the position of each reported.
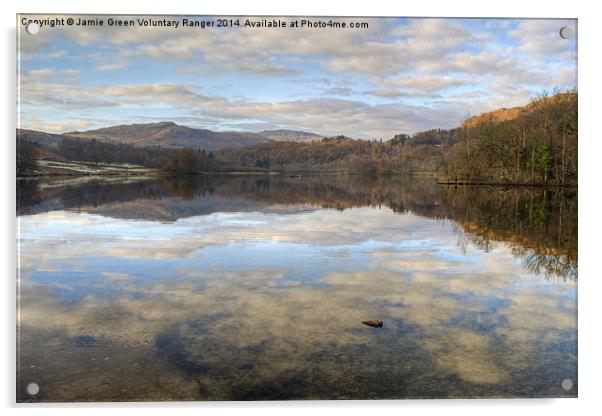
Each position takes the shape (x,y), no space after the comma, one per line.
(539,223)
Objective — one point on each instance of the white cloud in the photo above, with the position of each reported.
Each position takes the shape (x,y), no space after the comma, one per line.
(387,69)
(40,73)
(60,127)
(112,66)
(542,36)
(417,85)
(327,116)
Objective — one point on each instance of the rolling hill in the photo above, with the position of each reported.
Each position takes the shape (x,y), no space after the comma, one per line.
(172,135)
(169,134)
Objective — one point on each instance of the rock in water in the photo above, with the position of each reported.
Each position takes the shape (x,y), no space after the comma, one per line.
(374,323)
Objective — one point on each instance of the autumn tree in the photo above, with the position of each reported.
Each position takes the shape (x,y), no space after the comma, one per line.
(183,161)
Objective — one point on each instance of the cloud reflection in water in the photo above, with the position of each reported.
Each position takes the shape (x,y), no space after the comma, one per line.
(257,305)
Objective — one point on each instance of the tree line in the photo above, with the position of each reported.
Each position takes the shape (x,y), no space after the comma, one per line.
(537,146)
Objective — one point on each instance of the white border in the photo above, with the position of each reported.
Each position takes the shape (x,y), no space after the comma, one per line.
(590,152)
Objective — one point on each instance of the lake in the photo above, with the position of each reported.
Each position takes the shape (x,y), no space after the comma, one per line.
(255,288)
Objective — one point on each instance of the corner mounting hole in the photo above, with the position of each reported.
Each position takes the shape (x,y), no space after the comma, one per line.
(566,32)
(33,389)
(567,384)
(32,28)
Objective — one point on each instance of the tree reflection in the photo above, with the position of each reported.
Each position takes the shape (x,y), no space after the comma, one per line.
(539,223)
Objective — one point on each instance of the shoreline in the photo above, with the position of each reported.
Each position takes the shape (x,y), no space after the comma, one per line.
(512,184)
(291,174)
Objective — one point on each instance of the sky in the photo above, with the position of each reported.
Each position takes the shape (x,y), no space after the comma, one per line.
(399,75)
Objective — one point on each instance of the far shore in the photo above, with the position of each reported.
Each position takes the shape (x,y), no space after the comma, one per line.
(117,172)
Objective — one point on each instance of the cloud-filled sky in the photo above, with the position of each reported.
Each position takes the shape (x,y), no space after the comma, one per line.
(398,75)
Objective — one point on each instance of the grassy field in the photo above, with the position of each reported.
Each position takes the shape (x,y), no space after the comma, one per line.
(54,167)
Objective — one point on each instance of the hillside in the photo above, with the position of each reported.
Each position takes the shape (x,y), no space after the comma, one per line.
(169,134)
(501,114)
(39,137)
(290,136)
(509,114)
(534,144)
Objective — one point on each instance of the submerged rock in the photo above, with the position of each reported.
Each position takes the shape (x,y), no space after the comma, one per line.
(86,341)
(374,323)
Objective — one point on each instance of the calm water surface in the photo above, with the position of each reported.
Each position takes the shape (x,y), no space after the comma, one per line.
(254,288)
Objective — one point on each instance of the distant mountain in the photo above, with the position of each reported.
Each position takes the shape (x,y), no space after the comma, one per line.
(169,134)
(290,136)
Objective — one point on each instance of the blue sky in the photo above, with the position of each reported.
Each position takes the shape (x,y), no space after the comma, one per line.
(398,75)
